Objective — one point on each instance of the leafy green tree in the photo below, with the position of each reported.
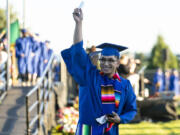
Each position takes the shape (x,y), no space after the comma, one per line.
(161,56)
(13,17)
(2,19)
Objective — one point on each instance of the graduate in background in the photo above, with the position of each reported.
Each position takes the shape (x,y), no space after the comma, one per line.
(158,82)
(166,80)
(56,70)
(48,53)
(105,98)
(22,50)
(174,82)
(42,58)
(33,59)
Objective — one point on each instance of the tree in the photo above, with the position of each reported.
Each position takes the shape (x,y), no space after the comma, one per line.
(161,56)
(13,17)
(2,19)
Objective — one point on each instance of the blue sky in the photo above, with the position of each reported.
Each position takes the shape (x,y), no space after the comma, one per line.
(132,23)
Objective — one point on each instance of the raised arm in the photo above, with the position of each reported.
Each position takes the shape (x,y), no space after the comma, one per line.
(78,17)
(77,61)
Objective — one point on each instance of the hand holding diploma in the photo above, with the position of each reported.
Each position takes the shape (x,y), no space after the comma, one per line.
(78,15)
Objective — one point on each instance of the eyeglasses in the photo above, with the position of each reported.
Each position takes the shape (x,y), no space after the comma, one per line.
(110,60)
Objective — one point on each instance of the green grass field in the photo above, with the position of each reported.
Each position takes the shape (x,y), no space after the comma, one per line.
(147,128)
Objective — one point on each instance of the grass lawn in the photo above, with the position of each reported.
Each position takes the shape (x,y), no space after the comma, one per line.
(147,128)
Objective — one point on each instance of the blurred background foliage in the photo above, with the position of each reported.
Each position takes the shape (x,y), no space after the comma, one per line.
(13,17)
(162,56)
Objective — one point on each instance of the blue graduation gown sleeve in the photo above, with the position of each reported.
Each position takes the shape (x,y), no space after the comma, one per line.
(129,110)
(78,63)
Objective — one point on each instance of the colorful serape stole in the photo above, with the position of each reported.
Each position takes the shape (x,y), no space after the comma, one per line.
(117,92)
(117,98)
(110,97)
(84,129)
(107,94)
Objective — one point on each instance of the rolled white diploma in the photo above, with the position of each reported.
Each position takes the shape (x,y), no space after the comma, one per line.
(102,119)
(81,5)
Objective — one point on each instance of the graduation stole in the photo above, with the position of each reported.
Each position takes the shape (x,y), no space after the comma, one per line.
(109,96)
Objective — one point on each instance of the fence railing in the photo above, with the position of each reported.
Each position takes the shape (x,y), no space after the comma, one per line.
(3,82)
(37,101)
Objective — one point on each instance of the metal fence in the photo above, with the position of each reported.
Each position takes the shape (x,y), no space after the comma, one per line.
(37,101)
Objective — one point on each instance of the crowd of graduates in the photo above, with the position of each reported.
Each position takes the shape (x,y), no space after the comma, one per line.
(29,57)
(166,81)
(32,57)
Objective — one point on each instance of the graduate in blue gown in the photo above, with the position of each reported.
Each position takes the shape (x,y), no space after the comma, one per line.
(22,50)
(105,98)
(158,81)
(57,69)
(174,82)
(42,57)
(33,59)
(48,53)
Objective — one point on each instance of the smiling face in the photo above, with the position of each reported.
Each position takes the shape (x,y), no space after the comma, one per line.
(109,65)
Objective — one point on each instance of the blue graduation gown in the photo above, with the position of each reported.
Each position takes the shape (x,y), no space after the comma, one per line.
(22,46)
(48,56)
(89,79)
(42,56)
(174,84)
(35,60)
(57,72)
(158,78)
(32,61)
